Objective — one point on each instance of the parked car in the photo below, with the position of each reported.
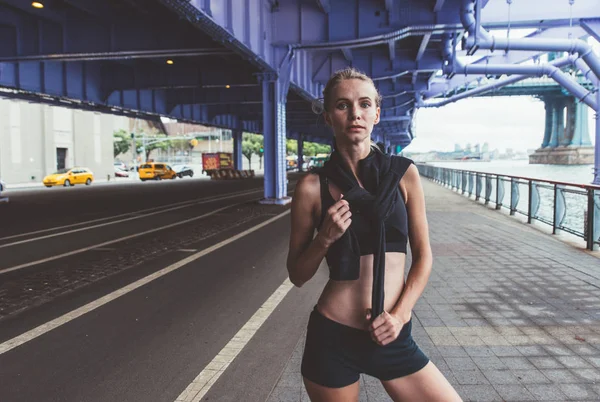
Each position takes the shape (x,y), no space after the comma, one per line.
(69,177)
(183,170)
(156,171)
(120,165)
(119,172)
(2,188)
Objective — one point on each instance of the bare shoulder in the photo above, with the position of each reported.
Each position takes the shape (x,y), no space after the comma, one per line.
(410,182)
(412,177)
(306,202)
(308,186)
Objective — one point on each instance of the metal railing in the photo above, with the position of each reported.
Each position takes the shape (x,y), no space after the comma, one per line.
(570,207)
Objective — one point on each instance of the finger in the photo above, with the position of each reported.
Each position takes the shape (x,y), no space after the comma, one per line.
(335,207)
(345,216)
(379,321)
(386,340)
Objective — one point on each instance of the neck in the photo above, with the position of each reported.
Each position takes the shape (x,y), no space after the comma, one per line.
(352,153)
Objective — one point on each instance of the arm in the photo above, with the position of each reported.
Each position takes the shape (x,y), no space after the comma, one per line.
(305,252)
(422,260)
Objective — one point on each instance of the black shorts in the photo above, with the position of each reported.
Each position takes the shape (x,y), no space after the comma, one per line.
(335,354)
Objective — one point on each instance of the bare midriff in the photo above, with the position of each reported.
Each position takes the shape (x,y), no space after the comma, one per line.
(347,302)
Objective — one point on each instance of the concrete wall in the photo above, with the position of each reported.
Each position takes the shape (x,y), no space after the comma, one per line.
(30,134)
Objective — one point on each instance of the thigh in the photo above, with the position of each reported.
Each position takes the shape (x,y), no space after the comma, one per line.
(319,393)
(427,384)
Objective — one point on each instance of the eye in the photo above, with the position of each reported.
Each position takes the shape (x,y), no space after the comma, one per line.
(341,106)
(365,104)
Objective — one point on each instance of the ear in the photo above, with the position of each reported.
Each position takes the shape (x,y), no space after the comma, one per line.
(377,114)
(327,119)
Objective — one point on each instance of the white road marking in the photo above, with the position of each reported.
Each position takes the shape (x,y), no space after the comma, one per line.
(57,322)
(211,373)
(106,243)
(136,216)
(187,250)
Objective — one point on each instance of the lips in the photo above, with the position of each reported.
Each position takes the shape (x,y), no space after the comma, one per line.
(356,127)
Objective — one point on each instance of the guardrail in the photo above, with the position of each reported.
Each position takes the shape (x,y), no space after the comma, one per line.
(570,207)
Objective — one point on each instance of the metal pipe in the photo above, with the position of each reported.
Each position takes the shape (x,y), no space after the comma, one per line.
(487,41)
(380,39)
(586,71)
(550,69)
(123,55)
(597,146)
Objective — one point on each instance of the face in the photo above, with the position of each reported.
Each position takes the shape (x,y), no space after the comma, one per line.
(353,111)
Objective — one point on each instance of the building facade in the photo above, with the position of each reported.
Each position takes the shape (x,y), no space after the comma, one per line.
(38,139)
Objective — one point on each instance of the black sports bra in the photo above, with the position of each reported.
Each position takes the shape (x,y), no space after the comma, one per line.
(396,225)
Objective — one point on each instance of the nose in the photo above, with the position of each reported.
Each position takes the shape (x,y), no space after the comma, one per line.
(354,113)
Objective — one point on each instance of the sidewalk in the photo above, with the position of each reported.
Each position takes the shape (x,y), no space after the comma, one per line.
(509,314)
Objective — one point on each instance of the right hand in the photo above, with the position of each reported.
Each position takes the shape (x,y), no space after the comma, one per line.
(337,220)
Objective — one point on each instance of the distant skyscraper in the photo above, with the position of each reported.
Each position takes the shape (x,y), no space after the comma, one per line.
(457,148)
(485,148)
(477,148)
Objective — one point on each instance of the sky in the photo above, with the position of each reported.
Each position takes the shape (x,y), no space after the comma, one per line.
(515,122)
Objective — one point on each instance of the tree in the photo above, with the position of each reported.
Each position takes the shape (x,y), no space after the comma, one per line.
(291,147)
(248,149)
(253,144)
(121,142)
(151,142)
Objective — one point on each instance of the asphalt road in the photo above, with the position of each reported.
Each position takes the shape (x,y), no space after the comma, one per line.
(64,248)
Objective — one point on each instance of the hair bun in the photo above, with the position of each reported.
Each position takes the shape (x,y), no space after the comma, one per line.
(317,106)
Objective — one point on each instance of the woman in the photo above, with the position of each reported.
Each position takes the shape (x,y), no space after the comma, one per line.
(365,206)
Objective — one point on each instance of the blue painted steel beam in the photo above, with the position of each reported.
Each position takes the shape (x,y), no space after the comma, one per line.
(324,5)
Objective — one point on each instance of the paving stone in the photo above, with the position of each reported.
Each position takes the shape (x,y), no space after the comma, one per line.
(460,363)
(546,362)
(452,351)
(573,362)
(514,393)
(470,377)
(285,394)
(560,376)
(547,392)
(481,351)
(500,376)
(479,393)
(505,351)
(489,362)
(517,363)
(578,391)
(531,377)
(592,375)
(533,350)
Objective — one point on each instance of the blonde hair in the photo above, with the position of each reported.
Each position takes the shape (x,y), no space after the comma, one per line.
(347,73)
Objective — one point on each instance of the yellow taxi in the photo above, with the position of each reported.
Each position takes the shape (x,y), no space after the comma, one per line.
(69,177)
(156,171)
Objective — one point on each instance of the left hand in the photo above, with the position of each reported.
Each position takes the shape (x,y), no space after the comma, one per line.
(385,328)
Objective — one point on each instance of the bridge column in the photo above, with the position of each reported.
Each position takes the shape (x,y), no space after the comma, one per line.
(301,152)
(567,138)
(581,133)
(549,106)
(274,94)
(556,123)
(237,149)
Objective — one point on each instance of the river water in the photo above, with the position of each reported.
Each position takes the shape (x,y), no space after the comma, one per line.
(575,200)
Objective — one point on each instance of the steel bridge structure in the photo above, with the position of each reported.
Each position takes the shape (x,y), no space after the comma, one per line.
(261,65)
